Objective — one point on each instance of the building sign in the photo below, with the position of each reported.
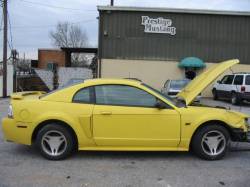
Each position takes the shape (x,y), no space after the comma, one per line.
(158,25)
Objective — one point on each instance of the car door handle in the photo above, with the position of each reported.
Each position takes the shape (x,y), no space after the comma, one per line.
(106,113)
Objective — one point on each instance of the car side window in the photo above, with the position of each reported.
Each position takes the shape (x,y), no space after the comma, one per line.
(247,80)
(82,96)
(238,80)
(123,95)
(223,80)
(228,79)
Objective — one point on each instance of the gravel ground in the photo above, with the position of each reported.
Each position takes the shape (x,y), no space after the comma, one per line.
(23,166)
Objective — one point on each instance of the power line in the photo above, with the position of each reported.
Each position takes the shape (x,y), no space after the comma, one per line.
(52,6)
(46,26)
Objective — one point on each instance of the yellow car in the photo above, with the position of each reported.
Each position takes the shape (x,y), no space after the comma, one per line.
(123,115)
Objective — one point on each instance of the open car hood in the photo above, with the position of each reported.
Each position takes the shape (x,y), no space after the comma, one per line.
(199,83)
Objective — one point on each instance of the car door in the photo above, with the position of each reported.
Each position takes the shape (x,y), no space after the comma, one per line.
(127,116)
(228,86)
(237,83)
(220,86)
(224,86)
(247,84)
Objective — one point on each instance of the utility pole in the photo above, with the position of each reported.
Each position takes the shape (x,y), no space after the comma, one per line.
(5,47)
(111,2)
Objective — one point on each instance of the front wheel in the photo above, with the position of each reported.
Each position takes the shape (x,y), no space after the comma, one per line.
(55,142)
(211,142)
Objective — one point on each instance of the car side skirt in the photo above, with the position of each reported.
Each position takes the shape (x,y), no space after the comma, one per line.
(112,148)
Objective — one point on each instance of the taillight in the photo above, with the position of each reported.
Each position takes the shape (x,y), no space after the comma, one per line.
(242,88)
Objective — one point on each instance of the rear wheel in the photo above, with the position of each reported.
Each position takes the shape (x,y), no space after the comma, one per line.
(55,142)
(211,142)
(235,100)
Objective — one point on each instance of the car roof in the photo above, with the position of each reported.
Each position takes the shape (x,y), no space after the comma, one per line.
(247,73)
(111,81)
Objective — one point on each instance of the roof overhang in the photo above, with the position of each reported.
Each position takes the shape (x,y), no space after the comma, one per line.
(173,10)
(79,49)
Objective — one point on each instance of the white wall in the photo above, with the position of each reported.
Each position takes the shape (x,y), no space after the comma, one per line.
(67,73)
(9,81)
(46,76)
(64,75)
(154,73)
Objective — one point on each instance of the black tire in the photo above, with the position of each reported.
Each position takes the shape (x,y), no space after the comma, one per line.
(199,147)
(235,100)
(56,131)
(215,94)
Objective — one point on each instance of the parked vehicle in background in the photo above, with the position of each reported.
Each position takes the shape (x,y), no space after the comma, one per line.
(235,87)
(172,87)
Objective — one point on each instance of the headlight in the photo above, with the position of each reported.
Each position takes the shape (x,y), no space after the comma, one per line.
(10,112)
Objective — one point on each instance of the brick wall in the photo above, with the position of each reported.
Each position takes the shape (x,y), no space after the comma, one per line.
(46,56)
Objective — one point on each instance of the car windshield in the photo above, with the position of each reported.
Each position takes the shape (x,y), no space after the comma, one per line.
(179,84)
(172,100)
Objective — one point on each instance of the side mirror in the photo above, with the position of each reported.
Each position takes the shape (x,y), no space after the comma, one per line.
(160,104)
(219,82)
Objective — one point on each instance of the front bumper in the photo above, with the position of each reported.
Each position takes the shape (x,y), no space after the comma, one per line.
(238,135)
(17,132)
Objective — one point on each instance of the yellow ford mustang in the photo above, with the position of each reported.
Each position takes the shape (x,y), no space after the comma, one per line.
(123,115)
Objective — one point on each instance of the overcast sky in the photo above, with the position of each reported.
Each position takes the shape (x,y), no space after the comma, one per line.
(31,20)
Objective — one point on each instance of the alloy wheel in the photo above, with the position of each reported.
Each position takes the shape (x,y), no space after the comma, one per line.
(213,143)
(54,143)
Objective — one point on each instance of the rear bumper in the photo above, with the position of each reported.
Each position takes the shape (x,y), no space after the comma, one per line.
(16,131)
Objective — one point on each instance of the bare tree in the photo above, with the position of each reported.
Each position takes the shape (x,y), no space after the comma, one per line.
(67,34)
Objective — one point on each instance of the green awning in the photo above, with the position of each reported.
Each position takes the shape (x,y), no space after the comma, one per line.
(191,62)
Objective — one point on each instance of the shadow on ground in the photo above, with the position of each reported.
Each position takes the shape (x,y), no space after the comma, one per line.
(32,151)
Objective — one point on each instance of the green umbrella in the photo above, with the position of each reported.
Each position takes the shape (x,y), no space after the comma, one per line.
(191,62)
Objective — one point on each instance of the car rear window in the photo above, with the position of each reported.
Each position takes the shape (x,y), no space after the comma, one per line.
(238,80)
(82,96)
(247,81)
